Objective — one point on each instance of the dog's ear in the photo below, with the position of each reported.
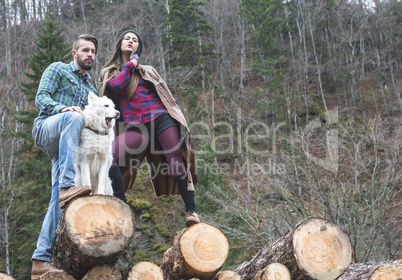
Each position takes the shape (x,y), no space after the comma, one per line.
(92,97)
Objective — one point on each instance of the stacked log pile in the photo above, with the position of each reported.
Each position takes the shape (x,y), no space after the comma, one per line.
(96,230)
(314,249)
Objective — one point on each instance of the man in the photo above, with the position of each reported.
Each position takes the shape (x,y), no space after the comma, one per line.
(61,97)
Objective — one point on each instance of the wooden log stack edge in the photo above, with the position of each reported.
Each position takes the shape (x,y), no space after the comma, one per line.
(315,248)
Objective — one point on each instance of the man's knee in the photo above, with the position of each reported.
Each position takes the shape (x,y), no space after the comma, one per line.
(75,118)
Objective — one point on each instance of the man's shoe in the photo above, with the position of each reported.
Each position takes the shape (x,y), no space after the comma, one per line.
(67,194)
(41,267)
(192,218)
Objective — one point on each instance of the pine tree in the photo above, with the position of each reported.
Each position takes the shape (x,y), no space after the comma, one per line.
(186,27)
(267,23)
(35,167)
(50,47)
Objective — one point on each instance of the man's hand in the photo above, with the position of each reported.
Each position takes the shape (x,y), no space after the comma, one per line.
(135,58)
(76,109)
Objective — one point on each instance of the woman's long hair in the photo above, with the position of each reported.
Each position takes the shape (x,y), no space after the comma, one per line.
(115,65)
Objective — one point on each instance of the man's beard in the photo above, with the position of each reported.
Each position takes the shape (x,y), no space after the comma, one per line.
(84,64)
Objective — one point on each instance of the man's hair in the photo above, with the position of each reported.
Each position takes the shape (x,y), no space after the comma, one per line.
(86,37)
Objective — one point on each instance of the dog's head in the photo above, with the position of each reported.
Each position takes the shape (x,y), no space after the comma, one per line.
(100,114)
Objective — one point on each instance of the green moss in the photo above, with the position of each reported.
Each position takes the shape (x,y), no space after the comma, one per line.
(140,255)
(141,205)
(146,216)
(160,248)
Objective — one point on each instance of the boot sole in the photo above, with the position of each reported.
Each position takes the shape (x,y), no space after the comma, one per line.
(192,222)
(63,204)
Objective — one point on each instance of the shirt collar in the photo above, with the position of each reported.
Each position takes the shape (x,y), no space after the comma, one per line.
(77,70)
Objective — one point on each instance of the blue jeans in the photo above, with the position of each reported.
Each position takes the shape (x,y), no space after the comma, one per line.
(58,136)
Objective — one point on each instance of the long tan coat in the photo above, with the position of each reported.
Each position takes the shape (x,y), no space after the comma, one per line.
(164,183)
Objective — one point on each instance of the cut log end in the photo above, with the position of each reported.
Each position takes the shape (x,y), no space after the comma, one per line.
(6,277)
(322,250)
(204,249)
(197,252)
(387,272)
(99,224)
(145,270)
(103,272)
(94,230)
(274,271)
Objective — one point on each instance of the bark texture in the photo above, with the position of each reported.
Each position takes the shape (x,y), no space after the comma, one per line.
(314,249)
(94,230)
(374,271)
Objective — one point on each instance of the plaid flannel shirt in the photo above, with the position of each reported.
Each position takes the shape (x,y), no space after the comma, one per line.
(144,106)
(62,85)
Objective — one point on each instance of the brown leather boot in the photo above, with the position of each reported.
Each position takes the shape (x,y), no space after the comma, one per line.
(192,218)
(41,267)
(67,194)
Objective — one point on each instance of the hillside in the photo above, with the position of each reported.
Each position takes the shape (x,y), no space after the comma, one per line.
(294,106)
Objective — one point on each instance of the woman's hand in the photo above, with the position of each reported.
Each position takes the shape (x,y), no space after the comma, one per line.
(135,58)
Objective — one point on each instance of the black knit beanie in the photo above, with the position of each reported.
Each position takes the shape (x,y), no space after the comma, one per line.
(140,44)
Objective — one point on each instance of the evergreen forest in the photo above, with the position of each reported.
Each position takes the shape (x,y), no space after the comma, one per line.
(295,107)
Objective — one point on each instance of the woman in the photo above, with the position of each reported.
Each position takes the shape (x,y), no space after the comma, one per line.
(154,126)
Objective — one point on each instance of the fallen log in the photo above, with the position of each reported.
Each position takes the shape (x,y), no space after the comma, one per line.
(145,270)
(6,277)
(197,252)
(314,249)
(103,272)
(94,230)
(374,271)
(274,271)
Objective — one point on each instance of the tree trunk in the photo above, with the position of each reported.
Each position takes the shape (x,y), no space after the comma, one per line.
(274,271)
(94,230)
(145,270)
(314,249)
(106,272)
(374,271)
(198,251)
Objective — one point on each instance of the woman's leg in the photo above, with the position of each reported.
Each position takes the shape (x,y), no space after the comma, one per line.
(126,142)
(170,142)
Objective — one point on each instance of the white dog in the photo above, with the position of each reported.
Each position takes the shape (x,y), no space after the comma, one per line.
(94,154)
